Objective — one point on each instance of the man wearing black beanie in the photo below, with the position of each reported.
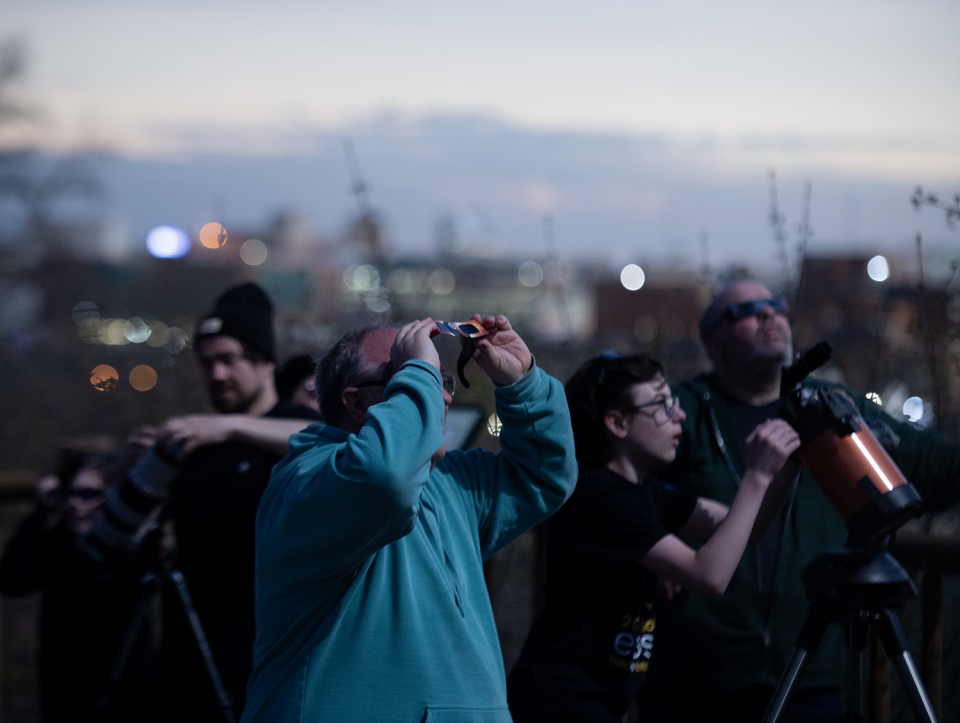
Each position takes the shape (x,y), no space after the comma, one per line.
(226,460)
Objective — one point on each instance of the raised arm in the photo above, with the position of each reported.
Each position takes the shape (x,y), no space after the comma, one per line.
(536,469)
(342,493)
(192,431)
(709,569)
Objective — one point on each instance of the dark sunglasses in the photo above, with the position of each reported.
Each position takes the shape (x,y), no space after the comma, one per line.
(86,493)
(736,312)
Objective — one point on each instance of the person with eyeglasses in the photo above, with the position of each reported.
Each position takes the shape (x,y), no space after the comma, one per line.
(85,607)
(370,596)
(724,655)
(589,653)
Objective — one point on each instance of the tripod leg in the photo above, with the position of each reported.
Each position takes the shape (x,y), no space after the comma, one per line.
(856,631)
(130,636)
(226,704)
(807,643)
(895,644)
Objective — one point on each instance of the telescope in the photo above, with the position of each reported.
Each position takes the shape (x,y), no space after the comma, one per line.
(861,585)
(844,457)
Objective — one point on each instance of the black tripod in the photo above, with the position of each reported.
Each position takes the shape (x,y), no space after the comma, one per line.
(858,588)
(150,585)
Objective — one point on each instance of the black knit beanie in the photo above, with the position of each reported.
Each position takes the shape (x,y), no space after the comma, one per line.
(294,371)
(244,313)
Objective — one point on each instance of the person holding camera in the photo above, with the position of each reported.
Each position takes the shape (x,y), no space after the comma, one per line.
(85,606)
(723,656)
(371,602)
(612,543)
(224,464)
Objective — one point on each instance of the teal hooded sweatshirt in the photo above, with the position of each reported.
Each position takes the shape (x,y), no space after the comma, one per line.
(370,597)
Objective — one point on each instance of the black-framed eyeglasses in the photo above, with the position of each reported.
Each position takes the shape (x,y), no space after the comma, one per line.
(668,404)
(736,312)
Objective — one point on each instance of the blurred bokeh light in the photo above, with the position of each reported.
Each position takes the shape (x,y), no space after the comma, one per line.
(213,235)
(143,378)
(361,278)
(104,377)
(168,242)
(913,409)
(253,252)
(114,332)
(159,334)
(878,269)
(136,330)
(530,273)
(442,281)
(632,277)
(85,311)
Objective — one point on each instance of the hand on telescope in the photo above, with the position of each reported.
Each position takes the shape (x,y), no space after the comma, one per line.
(770,466)
(768,448)
(502,354)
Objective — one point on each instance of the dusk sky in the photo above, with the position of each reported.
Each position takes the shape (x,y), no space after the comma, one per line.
(701,98)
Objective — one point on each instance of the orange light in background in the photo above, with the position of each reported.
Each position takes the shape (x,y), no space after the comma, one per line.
(104,378)
(213,235)
(143,378)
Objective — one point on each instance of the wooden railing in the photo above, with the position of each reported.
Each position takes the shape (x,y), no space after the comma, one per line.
(937,556)
(17,486)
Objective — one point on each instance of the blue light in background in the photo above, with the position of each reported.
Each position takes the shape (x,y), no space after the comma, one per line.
(168,242)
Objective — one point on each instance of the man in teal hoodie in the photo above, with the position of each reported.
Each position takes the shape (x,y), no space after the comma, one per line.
(370,598)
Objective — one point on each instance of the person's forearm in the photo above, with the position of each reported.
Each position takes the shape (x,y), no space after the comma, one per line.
(777,494)
(333,503)
(270,434)
(717,560)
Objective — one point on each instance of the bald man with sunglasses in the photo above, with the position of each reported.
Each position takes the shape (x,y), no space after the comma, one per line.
(722,657)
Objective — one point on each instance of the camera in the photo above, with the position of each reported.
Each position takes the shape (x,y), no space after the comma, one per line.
(131,510)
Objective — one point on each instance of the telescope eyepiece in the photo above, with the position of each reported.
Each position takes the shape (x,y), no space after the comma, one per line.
(805,364)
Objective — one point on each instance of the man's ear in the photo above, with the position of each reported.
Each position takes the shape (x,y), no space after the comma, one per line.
(616,423)
(714,350)
(354,406)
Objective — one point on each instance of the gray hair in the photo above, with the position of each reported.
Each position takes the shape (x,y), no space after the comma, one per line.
(343,366)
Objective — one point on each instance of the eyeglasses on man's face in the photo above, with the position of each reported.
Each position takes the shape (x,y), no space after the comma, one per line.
(449,382)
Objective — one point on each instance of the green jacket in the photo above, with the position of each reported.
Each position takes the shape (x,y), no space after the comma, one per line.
(728,642)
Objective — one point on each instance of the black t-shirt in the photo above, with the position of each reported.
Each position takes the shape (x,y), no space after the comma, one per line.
(213,504)
(746,418)
(589,653)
